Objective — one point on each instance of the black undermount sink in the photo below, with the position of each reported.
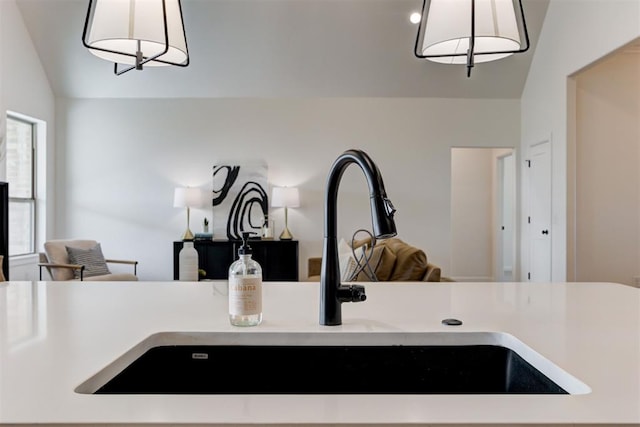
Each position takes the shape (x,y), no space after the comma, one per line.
(335,367)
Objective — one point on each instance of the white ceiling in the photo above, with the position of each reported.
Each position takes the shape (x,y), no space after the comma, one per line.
(277,48)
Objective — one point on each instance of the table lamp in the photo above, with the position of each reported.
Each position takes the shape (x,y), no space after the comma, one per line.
(285,197)
(187,197)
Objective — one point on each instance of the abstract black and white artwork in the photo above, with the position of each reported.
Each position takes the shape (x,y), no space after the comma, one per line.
(239,198)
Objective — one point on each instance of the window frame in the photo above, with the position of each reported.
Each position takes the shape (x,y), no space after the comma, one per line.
(31,201)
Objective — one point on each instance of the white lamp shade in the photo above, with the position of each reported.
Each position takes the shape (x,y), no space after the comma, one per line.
(187,197)
(117,25)
(285,197)
(448,29)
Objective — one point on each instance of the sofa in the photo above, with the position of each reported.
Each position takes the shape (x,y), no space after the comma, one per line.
(392,260)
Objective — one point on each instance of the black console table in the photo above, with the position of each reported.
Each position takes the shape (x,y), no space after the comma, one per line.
(278,258)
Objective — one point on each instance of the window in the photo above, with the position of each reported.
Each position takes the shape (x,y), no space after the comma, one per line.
(21,136)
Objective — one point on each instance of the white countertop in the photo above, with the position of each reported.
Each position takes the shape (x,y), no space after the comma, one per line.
(54,336)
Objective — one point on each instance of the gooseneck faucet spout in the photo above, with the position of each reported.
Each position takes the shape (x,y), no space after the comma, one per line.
(332,292)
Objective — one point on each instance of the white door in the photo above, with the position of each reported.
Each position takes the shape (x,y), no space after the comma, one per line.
(539,217)
(505,240)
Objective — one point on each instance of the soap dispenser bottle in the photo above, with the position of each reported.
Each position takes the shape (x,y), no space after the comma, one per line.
(245,288)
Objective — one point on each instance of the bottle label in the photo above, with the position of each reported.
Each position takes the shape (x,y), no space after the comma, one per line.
(245,296)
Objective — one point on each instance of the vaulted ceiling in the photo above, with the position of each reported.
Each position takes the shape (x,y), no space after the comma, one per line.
(277,48)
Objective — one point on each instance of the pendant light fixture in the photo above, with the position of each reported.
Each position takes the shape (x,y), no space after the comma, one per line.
(470,31)
(136,33)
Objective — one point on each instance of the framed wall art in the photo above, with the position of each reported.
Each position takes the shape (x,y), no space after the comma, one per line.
(240,199)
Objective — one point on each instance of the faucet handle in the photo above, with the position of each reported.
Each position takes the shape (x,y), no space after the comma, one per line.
(352,293)
(391,210)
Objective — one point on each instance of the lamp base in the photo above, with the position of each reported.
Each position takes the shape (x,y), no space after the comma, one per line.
(286,234)
(188,235)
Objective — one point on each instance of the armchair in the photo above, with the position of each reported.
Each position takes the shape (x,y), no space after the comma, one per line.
(81,260)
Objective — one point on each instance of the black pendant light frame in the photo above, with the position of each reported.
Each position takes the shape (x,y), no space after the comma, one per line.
(520,21)
(139,57)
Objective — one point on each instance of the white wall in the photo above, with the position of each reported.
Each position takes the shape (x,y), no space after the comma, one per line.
(574,34)
(472,200)
(607,174)
(26,90)
(119,160)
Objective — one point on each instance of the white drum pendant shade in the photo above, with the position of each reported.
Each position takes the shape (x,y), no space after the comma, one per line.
(117,29)
(446,29)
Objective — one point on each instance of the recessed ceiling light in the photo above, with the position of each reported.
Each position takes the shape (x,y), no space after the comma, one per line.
(415,17)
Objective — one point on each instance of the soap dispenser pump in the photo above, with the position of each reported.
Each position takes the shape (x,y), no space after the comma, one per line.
(245,287)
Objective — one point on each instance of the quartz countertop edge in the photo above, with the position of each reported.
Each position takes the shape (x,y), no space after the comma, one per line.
(55,336)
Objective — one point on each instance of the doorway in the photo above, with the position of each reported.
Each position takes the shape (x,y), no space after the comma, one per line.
(483,214)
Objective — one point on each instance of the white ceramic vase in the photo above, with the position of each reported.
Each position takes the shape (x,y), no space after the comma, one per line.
(188,259)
